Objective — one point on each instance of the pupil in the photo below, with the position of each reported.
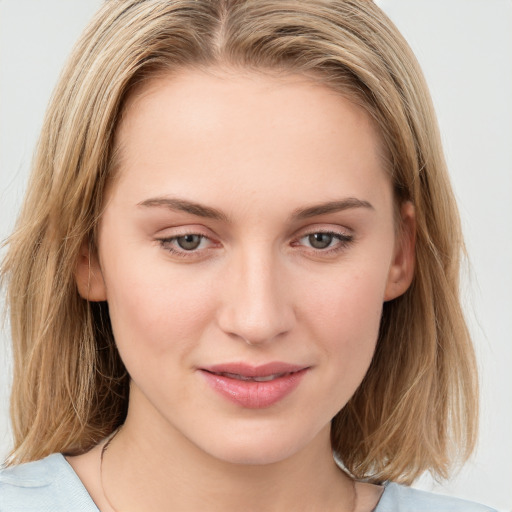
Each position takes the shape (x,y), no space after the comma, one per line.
(320,240)
(189,242)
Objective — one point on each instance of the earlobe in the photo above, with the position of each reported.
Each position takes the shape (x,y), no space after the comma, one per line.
(88,275)
(401,271)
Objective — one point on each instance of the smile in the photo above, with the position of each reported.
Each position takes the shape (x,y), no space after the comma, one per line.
(254,387)
(265,378)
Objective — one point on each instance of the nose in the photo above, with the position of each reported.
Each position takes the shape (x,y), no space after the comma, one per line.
(256,300)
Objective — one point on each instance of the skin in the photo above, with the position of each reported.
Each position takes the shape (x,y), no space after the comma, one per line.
(257,148)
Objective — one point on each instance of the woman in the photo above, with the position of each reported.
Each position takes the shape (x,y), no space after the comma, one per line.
(239,254)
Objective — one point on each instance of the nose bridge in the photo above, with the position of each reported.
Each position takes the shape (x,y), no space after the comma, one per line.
(256,305)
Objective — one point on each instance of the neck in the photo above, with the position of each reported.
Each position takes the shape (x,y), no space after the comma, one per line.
(163,472)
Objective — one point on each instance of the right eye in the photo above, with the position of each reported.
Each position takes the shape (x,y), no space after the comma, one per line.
(185,245)
(189,242)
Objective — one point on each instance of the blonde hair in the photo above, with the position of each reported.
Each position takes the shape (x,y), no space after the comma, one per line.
(416,408)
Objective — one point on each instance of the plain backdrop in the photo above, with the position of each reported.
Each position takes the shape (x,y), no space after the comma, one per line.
(465,48)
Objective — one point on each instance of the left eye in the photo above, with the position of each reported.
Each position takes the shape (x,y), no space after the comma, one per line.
(320,240)
(323,240)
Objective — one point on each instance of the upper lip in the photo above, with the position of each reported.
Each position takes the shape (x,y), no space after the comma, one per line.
(248,370)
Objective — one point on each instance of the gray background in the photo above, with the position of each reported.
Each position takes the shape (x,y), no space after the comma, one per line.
(465,48)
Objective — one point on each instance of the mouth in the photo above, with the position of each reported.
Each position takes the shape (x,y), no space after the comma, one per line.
(254,387)
(263,378)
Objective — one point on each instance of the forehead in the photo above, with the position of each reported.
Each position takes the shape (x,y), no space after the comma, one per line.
(215,94)
(238,127)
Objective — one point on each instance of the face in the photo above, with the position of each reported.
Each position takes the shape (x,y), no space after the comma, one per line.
(245,251)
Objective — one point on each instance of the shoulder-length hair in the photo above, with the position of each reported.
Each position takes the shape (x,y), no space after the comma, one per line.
(417,406)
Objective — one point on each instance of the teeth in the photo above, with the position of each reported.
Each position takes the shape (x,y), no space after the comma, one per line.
(269,377)
(265,378)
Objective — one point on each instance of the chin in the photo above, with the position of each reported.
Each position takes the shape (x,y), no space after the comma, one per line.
(258,448)
(252,456)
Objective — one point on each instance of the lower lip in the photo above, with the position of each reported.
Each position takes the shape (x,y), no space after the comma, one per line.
(252,394)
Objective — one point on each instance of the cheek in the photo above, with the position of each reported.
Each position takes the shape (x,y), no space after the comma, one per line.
(345,313)
(154,310)
(350,300)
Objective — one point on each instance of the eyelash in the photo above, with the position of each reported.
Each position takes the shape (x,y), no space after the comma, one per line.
(343,241)
(168,245)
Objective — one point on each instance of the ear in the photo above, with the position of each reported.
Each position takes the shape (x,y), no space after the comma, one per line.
(88,275)
(401,271)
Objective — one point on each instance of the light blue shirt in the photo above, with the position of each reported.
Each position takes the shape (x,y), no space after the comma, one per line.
(51,485)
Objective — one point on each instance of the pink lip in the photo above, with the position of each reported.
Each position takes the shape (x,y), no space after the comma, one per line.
(235,382)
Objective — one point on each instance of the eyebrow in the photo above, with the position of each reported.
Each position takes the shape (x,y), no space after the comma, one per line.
(208,212)
(331,207)
(183,205)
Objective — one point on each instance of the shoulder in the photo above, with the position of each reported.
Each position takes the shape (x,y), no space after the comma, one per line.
(47,485)
(398,498)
